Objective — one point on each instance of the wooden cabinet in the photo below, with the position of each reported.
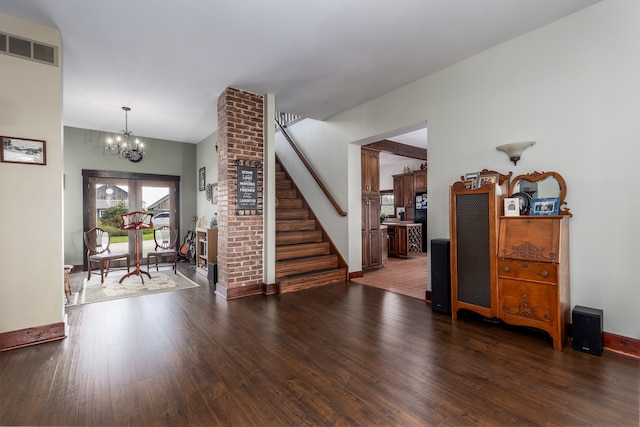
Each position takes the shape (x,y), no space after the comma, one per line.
(404,194)
(404,191)
(370,170)
(371,233)
(206,249)
(405,239)
(402,245)
(420,181)
(533,274)
(372,243)
(392,246)
(513,268)
(384,240)
(474,227)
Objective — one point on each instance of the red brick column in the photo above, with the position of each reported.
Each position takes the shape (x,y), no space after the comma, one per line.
(240,232)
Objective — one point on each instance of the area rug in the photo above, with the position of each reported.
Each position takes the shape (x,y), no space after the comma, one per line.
(132,286)
(73,299)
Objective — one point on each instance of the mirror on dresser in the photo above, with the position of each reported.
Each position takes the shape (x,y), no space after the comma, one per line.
(542,185)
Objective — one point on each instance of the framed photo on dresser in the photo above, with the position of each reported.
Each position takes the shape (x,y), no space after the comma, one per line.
(544,206)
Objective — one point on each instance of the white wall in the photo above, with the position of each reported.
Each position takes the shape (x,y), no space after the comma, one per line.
(31,273)
(572,86)
(207,157)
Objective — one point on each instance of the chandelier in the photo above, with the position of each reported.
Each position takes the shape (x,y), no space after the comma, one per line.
(124,145)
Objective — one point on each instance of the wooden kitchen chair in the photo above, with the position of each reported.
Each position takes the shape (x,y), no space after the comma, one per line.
(98,241)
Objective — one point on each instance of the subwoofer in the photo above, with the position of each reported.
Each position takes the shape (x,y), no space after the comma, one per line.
(440,276)
(586,329)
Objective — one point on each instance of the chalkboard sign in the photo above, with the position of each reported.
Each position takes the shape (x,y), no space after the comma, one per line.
(247,187)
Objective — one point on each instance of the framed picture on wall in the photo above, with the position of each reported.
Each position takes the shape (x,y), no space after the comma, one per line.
(21,150)
(202,179)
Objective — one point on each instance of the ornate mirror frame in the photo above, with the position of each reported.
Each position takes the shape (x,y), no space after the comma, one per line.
(541,176)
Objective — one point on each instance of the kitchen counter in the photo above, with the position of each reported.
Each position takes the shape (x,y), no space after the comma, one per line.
(405,238)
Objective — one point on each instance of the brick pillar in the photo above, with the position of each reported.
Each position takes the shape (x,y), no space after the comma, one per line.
(240,232)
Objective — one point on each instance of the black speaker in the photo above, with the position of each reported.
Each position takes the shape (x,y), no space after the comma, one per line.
(586,329)
(473,249)
(212,273)
(440,276)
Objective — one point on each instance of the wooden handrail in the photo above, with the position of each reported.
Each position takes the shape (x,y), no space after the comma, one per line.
(311,171)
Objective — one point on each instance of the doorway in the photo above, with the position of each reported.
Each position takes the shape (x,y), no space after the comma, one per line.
(108,194)
(406,275)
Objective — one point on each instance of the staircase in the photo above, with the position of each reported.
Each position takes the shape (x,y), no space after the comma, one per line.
(305,257)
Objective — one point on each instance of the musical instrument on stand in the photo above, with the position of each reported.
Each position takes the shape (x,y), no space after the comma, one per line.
(136,221)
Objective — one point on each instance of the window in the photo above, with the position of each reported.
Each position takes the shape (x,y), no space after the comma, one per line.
(386,203)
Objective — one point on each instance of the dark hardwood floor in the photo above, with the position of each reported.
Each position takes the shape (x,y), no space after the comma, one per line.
(342,354)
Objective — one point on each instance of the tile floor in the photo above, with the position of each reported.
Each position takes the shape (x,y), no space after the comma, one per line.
(406,276)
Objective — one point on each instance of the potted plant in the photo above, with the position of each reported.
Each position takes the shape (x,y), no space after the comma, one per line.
(383,215)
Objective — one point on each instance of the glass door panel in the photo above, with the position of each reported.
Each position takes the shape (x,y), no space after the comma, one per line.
(157,201)
(111,198)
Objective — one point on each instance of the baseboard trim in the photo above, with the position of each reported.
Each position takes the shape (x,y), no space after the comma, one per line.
(356,274)
(270,289)
(241,292)
(619,344)
(32,336)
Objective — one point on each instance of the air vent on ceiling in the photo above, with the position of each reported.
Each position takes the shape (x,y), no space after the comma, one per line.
(28,49)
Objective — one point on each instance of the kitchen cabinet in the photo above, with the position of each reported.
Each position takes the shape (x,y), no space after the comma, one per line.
(404,194)
(370,171)
(371,233)
(384,239)
(420,181)
(405,239)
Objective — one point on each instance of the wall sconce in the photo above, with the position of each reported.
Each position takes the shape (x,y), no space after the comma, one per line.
(515,149)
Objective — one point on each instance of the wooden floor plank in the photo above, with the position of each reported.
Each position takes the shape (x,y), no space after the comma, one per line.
(341,354)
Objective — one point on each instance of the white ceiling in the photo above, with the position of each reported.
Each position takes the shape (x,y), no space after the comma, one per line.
(170,60)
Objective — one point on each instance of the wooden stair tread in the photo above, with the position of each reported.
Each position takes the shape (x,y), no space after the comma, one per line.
(293,237)
(294,213)
(283,185)
(287,194)
(305,265)
(302,250)
(311,280)
(295,225)
(289,203)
